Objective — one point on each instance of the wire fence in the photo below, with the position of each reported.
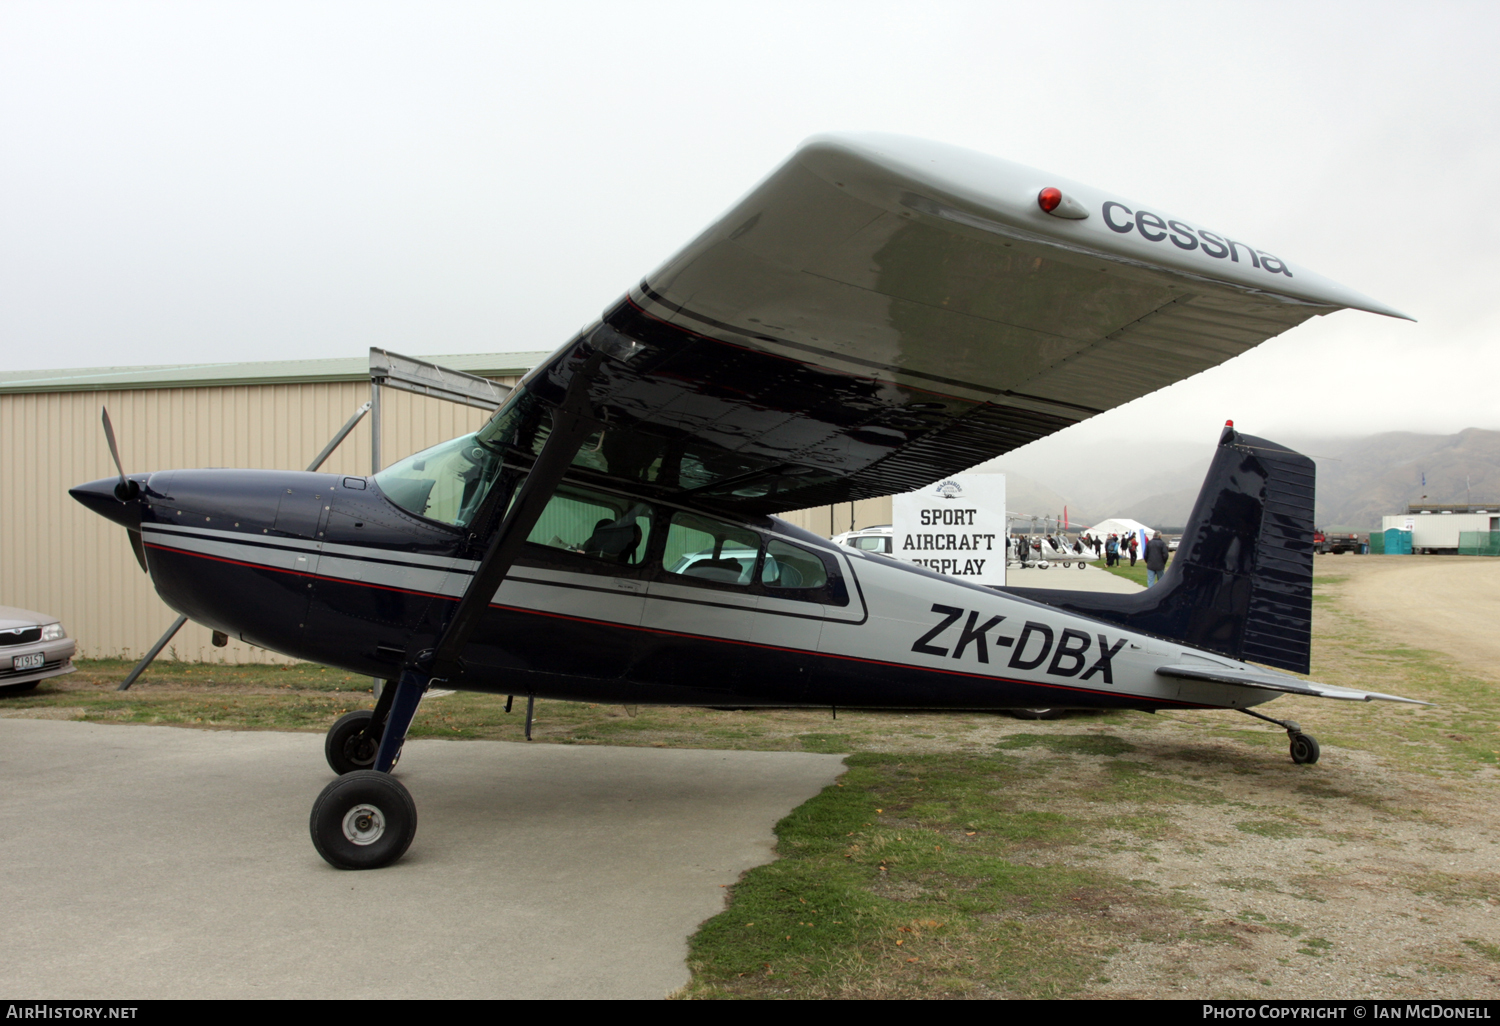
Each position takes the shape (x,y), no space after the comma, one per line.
(1479,543)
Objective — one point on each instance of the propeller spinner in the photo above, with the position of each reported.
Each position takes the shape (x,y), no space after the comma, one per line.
(119,501)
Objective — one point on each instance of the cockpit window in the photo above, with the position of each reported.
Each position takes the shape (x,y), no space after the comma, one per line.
(445,483)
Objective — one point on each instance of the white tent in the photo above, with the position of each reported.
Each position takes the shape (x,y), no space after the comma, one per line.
(1124,527)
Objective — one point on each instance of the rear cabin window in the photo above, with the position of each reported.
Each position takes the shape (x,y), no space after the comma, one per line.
(701,549)
(710,550)
(788,569)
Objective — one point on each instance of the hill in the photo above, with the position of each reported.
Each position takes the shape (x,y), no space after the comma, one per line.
(1359,479)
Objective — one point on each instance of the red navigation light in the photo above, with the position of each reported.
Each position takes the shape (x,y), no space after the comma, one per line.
(1049,198)
(1229,423)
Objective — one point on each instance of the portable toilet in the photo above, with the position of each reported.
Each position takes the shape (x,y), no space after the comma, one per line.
(1397,542)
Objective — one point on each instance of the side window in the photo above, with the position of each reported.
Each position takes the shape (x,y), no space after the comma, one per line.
(605,528)
(789,568)
(872,543)
(710,550)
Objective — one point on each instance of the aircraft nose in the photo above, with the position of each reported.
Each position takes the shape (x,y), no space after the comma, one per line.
(99,496)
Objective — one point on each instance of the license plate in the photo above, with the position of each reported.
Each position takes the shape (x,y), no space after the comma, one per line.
(28,662)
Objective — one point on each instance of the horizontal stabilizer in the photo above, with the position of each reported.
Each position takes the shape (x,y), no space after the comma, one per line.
(1269,681)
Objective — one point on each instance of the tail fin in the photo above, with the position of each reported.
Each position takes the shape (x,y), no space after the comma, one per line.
(1241,582)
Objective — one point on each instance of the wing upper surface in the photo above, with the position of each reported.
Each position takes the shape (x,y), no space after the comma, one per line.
(879,312)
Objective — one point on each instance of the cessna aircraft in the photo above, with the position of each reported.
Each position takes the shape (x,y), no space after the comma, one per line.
(879,312)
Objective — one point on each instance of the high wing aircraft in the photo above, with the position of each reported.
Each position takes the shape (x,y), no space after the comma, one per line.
(878,313)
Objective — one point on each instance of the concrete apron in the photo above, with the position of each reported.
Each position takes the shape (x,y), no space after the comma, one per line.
(160,862)
(1090,578)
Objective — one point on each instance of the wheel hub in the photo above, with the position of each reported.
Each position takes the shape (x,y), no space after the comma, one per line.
(364,824)
(360,750)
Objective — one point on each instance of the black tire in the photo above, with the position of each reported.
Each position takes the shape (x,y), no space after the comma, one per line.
(1305,750)
(344,747)
(1038,714)
(11,690)
(363,820)
(1082,565)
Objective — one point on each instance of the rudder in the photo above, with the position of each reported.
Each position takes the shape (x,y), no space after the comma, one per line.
(1241,582)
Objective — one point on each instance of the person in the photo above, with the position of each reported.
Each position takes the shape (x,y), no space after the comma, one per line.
(1135,546)
(1111,551)
(1156,559)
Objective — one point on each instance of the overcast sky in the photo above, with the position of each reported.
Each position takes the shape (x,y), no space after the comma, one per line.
(218,181)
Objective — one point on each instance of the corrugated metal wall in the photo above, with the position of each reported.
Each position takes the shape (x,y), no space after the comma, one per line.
(58,558)
(831,520)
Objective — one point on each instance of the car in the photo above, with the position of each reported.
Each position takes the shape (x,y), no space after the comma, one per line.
(33,647)
(731,566)
(868,539)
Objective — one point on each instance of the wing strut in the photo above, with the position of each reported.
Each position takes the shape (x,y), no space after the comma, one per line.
(366,818)
(571,425)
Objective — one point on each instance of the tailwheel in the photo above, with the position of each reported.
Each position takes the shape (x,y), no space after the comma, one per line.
(1305,749)
(363,820)
(348,746)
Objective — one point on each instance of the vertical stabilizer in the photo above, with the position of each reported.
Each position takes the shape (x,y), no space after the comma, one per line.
(1241,581)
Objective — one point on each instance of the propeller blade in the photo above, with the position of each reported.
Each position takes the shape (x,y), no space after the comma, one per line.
(109,436)
(138,546)
(126,489)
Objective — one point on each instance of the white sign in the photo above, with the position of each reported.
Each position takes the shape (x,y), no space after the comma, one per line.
(955,526)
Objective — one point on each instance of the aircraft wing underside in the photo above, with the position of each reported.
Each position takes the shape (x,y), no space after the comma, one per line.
(879,312)
(1269,681)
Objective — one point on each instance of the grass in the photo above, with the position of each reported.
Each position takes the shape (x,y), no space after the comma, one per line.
(972,855)
(306,697)
(1135,573)
(892,885)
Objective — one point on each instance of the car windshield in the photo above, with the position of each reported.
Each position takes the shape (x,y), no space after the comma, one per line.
(445,483)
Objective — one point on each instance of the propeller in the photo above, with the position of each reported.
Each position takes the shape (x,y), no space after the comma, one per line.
(126,491)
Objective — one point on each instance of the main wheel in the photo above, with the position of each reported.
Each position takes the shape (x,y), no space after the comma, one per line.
(1082,565)
(363,820)
(346,747)
(1305,749)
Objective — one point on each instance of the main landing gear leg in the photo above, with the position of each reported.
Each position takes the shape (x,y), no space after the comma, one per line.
(366,818)
(1304,747)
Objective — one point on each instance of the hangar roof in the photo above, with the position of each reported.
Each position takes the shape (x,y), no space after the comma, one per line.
(269,372)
